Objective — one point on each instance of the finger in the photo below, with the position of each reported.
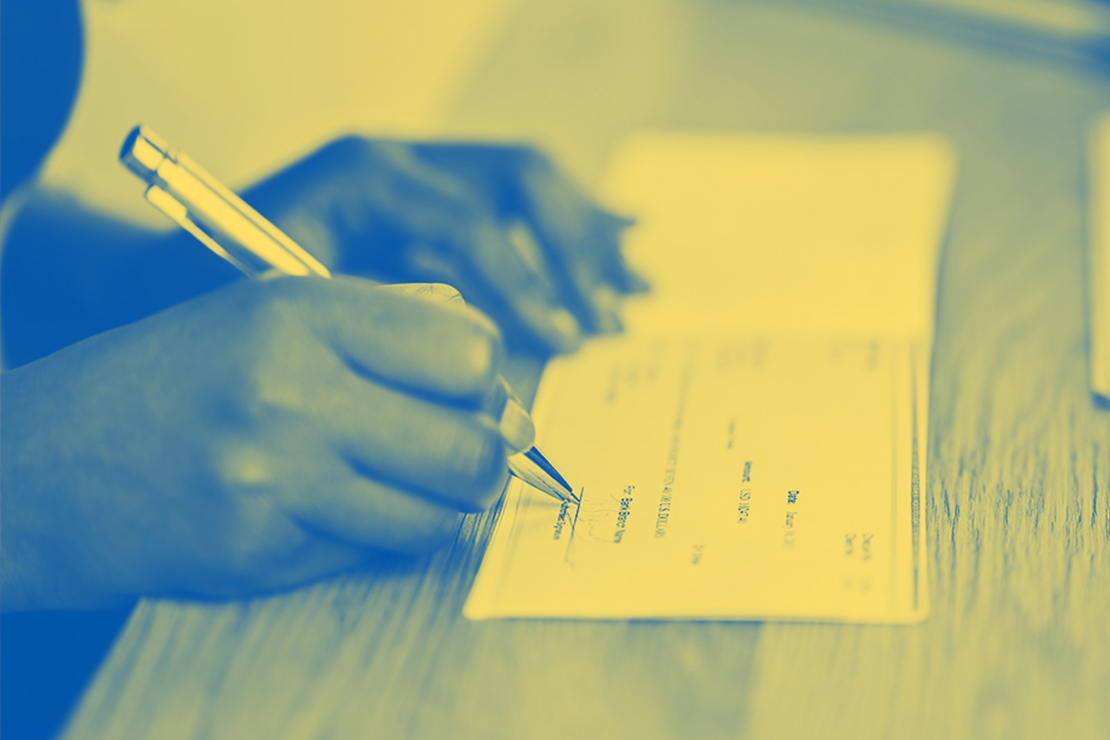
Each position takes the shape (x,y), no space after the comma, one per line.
(575,275)
(607,304)
(369,513)
(484,264)
(582,236)
(555,227)
(500,402)
(439,292)
(630,281)
(434,207)
(431,262)
(618,220)
(449,454)
(591,279)
(501,259)
(577,237)
(523,290)
(609,230)
(354,201)
(558,219)
(516,426)
(444,350)
(615,270)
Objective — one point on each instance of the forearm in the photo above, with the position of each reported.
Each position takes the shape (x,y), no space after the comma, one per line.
(69,274)
(38,568)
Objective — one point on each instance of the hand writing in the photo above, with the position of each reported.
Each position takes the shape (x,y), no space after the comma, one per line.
(258,437)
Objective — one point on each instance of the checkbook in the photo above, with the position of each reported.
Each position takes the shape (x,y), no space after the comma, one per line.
(754,446)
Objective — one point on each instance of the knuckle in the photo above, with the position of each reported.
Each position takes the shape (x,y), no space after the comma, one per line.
(287,289)
(252,540)
(361,154)
(278,360)
(481,462)
(271,304)
(431,531)
(244,560)
(483,354)
(531,159)
(353,149)
(447,293)
(437,293)
(292,305)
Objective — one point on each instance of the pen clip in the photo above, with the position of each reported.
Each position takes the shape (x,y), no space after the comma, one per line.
(179,214)
(216,216)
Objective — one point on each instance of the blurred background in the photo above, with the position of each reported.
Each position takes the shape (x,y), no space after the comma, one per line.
(248,86)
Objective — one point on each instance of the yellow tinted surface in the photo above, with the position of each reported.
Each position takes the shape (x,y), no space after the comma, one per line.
(754,448)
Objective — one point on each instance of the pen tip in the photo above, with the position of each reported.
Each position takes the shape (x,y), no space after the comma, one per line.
(537,457)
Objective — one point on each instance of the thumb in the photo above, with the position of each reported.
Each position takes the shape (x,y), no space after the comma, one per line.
(439,292)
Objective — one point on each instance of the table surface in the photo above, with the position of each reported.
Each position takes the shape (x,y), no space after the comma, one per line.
(1017,498)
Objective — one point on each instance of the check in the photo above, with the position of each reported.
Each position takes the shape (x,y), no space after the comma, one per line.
(722,478)
(744,473)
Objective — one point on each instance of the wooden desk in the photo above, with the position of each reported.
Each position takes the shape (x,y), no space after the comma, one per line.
(1018,496)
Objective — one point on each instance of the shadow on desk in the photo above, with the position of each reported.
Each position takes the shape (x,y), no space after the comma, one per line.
(46,660)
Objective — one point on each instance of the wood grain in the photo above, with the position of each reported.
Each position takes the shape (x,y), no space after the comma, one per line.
(1017,498)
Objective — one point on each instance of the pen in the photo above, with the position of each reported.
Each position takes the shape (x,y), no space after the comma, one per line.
(224,223)
(1098,256)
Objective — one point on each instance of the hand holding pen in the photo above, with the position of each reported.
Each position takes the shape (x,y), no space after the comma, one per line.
(220,220)
(256,437)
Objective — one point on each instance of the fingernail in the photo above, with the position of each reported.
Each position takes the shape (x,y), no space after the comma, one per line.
(609,323)
(605,302)
(516,427)
(495,400)
(509,392)
(438,292)
(635,283)
(568,334)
